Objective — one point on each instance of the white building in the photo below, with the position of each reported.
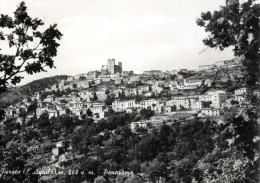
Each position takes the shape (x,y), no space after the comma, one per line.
(157,89)
(84,84)
(151,104)
(118,93)
(101,95)
(143,89)
(49,98)
(185,102)
(59,144)
(189,84)
(205,98)
(183,87)
(171,102)
(53,113)
(87,95)
(97,81)
(76,107)
(192,82)
(209,112)
(241,91)
(208,82)
(98,110)
(118,81)
(130,92)
(136,125)
(63,111)
(218,100)
(240,94)
(197,105)
(123,105)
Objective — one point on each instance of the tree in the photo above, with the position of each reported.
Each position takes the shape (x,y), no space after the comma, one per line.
(135,179)
(44,121)
(100,179)
(30,50)
(234,102)
(89,165)
(32,107)
(236,24)
(14,158)
(74,86)
(89,113)
(109,100)
(134,166)
(155,171)
(141,130)
(146,113)
(95,96)
(154,105)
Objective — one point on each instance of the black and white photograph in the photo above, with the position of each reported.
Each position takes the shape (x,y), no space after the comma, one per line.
(129,91)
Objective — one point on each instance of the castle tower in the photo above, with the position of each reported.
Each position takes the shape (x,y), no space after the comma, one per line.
(111,66)
(120,67)
(108,63)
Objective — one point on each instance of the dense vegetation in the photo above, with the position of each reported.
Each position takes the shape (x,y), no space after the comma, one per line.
(42,84)
(185,151)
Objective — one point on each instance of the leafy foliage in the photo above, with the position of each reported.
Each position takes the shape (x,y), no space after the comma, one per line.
(32,49)
(236,24)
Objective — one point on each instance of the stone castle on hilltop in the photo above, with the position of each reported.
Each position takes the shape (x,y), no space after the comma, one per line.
(111,67)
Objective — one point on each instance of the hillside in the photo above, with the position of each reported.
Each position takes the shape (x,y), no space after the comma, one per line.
(41,84)
(18,93)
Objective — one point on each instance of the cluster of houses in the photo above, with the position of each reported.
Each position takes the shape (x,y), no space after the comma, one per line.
(215,100)
(211,104)
(76,104)
(90,92)
(221,64)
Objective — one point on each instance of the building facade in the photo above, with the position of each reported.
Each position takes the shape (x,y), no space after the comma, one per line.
(111,67)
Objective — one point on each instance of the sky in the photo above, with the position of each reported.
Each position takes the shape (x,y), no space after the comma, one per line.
(143,34)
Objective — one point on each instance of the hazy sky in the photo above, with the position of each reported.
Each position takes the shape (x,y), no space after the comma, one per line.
(143,34)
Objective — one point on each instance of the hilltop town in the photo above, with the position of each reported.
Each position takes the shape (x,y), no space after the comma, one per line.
(113,97)
(203,92)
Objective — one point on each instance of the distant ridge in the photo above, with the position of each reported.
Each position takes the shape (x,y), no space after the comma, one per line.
(15,94)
